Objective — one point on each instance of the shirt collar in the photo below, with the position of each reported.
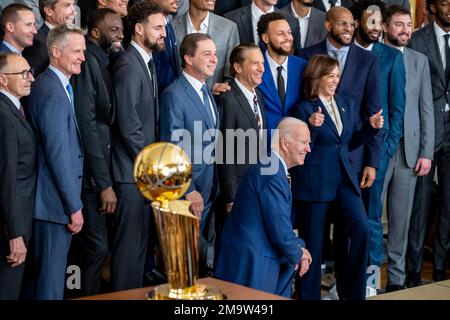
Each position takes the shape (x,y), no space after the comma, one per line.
(369,47)
(395,47)
(11,47)
(275,65)
(12,98)
(257,12)
(197,84)
(296,15)
(141,51)
(203,25)
(49,25)
(282,161)
(62,77)
(440,33)
(247,93)
(330,47)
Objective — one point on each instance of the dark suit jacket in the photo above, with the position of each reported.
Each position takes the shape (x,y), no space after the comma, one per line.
(316,25)
(257,238)
(319,178)
(3,48)
(424,41)
(60,154)
(136,113)
(94,108)
(392,76)
(237,113)
(318,4)
(360,80)
(273,109)
(182,109)
(243,19)
(37,54)
(18,171)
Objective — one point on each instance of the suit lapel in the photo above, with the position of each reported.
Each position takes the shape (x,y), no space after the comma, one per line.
(270,83)
(246,19)
(198,102)
(243,103)
(18,115)
(327,122)
(345,115)
(436,54)
(351,66)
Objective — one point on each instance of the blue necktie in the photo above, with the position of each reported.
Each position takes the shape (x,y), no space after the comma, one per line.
(207,104)
(70,91)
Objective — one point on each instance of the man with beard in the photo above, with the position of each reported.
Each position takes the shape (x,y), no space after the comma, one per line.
(415,151)
(368,14)
(135,127)
(94,108)
(18,24)
(200,18)
(167,62)
(281,83)
(55,13)
(432,40)
(310,19)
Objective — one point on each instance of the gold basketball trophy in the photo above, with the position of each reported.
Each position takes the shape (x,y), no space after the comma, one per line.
(162,172)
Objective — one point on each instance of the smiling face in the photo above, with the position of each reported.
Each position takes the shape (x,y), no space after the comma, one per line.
(250,71)
(203,4)
(152,32)
(15,83)
(169,6)
(329,83)
(119,6)
(296,147)
(441,11)
(62,12)
(203,64)
(370,24)
(22,32)
(278,37)
(341,28)
(398,31)
(111,33)
(68,58)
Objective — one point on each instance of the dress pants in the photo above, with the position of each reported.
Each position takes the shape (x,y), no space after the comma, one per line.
(95,243)
(130,239)
(372,198)
(400,185)
(418,225)
(51,247)
(351,283)
(10,278)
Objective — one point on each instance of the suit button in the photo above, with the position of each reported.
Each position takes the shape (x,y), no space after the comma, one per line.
(79,177)
(80,156)
(109,146)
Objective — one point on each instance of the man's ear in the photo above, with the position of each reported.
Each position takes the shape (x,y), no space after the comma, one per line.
(328,26)
(265,38)
(139,29)
(3,81)
(95,33)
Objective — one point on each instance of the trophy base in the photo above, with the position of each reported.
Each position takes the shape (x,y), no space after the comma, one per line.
(199,292)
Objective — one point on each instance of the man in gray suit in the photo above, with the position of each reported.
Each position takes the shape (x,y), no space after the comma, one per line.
(415,152)
(310,19)
(200,18)
(433,41)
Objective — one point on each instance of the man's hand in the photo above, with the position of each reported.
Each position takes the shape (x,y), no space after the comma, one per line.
(197,204)
(76,222)
(17,252)
(305,261)
(317,118)
(229,207)
(368,177)
(219,88)
(108,200)
(377,120)
(423,166)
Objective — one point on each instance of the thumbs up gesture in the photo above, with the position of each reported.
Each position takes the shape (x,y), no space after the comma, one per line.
(317,118)
(377,120)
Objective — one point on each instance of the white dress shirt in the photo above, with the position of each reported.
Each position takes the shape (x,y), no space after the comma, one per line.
(273,69)
(441,44)
(49,25)
(369,47)
(203,26)
(303,22)
(13,99)
(250,96)
(256,14)
(145,56)
(197,85)
(334,113)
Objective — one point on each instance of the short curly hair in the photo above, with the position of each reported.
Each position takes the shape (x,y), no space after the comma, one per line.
(140,12)
(263,23)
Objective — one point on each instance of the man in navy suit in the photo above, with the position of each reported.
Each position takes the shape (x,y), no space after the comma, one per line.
(190,118)
(18,24)
(392,84)
(167,61)
(281,85)
(57,213)
(258,248)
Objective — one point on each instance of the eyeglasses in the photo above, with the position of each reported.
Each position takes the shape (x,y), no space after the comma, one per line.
(25,73)
(346,24)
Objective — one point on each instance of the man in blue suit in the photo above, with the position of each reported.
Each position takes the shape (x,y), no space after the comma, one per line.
(18,24)
(190,118)
(57,213)
(281,84)
(258,248)
(392,84)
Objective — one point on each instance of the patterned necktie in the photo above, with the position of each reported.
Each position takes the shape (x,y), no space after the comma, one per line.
(70,91)
(339,55)
(207,104)
(281,87)
(257,114)
(22,111)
